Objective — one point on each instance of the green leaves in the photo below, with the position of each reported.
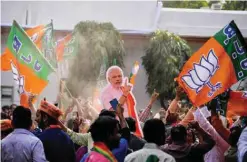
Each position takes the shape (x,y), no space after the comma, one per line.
(164,57)
(95,41)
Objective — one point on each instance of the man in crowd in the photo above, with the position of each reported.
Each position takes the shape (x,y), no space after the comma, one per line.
(21,145)
(114,89)
(201,115)
(135,142)
(183,149)
(231,153)
(154,134)
(106,137)
(85,139)
(6,111)
(6,128)
(57,144)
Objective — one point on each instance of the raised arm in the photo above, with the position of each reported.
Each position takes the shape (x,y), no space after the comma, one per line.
(78,138)
(205,125)
(145,114)
(217,123)
(188,118)
(174,104)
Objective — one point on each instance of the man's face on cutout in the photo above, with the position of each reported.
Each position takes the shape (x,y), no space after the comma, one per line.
(115,78)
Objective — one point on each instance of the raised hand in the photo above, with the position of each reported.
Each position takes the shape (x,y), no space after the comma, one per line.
(31,97)
(154,97)
(119,111)
(194,125)
(127,87)
(179,92)
(69,109)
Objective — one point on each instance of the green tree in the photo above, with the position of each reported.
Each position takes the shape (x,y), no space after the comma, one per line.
(185,4)
(97,44)
(235,5)
(163,61)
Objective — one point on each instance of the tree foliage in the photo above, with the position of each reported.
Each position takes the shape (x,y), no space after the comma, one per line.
(185,4)
(163,60)
(95,42)
(235,5)
(228,5)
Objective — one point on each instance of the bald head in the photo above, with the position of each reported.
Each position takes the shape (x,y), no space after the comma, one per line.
(114,76)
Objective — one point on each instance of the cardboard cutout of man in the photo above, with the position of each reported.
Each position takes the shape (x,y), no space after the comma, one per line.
(115,89)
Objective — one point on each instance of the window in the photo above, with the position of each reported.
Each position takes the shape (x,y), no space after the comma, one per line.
(6,95)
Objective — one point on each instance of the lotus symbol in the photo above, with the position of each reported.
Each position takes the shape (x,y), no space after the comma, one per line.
(202,72)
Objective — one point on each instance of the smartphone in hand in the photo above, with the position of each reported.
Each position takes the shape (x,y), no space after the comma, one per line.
(114,103)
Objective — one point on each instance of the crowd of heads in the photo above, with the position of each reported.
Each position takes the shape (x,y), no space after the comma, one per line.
(162,129)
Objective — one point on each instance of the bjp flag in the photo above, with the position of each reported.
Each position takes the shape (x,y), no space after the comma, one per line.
(66,47)
(232,103)
(37,35)
(29,67)
(218,64)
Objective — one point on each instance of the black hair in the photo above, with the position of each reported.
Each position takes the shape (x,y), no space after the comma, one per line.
(51,120)
(178,133)
(5,107)
(102,128)
(13,105)
(154,131)
(105,112)
(4,116)
(131,123)
(22,117)
(234,135)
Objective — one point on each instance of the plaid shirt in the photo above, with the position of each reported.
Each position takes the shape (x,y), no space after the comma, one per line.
(145,114)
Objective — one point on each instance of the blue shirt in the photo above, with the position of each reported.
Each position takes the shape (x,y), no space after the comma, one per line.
(22,146)
(57,145)
(119,152)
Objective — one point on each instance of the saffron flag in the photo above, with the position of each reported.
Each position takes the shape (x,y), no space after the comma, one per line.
(134,72)
(232,103)
(29,67)
(66,47)
(131,102)
(37,35)
(218,64)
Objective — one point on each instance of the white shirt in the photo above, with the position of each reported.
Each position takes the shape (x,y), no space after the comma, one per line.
(216,154)
(109,93)
(149,151)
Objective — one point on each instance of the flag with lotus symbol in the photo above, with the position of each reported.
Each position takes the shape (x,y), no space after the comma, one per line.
(36,34)
(29,67)
(216,66)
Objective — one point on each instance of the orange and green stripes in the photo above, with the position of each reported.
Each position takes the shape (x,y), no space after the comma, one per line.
(102,149)
(27,54)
